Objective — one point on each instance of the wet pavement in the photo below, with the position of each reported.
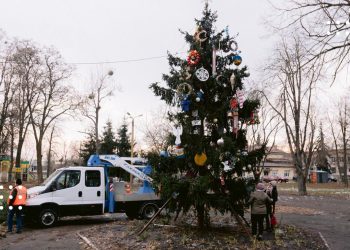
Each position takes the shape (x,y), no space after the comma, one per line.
(331,217)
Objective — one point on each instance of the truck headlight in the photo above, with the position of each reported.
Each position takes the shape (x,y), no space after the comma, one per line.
(31,196)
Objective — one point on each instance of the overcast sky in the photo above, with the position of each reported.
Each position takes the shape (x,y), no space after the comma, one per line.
(91,31)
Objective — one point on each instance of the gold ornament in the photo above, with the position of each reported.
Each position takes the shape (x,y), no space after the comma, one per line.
(200,159)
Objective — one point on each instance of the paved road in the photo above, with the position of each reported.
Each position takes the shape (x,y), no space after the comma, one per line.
(333,222)
(63,236)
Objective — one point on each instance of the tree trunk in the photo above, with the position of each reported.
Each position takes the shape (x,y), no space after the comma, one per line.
(344,178)
(200,216)
(18,156)
(12,147)
(301,184)
(39,162)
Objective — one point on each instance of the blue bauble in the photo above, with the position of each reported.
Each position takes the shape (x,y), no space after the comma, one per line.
(237,60)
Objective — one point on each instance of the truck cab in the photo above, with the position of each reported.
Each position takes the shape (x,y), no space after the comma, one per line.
(68,191)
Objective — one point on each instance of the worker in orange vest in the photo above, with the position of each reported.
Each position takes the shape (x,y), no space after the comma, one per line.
(16,203)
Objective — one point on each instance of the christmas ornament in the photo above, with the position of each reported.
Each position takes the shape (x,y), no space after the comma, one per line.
(233,45)
(220,79)
(186,73)
(216,98)
(201,36)
(244,153)
(193,58)
(200,96)
(213,66)
(179,152)
(237,60)
(240,96)
(184,89)
(185,105)
(200,159)
(220,142)
(202,74)
(195,113)
(227,167)
(234,104)
(196,122)
(235,122)
(233,81)
(177,131)
(215,120)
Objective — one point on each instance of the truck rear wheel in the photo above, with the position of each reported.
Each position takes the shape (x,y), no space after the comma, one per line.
(48,217)
(149,210)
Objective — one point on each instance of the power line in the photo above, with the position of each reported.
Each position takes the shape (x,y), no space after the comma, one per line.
(119,61)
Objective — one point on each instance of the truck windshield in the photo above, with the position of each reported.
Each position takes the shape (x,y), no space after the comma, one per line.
(52,176)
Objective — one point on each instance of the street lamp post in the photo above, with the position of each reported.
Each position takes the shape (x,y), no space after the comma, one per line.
(132,138)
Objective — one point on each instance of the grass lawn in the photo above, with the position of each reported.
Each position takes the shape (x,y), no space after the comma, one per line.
(326,189)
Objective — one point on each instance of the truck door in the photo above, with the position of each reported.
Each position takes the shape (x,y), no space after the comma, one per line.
(68,193)
(94,193)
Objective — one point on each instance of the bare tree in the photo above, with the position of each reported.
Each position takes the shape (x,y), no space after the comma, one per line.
(100,90)
(50,151)
(295,83)
(52,100)
(157,131)
(26,72)
(7,90)
(326,24)
(263,132)
(340,128)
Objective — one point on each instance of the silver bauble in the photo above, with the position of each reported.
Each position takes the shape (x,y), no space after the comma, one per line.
(220,142)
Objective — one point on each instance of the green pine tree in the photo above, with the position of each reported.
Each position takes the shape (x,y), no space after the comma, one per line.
(322,155)
(88,147)
(108,141)
(123,144)
(209,173)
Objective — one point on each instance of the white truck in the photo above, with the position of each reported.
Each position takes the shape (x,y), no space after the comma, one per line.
(82,191)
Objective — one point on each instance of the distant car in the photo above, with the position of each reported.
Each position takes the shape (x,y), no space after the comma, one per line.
(283,179)
(275,178)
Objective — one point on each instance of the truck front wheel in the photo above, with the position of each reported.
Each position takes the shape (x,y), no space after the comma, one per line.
(149,210)
(48,217)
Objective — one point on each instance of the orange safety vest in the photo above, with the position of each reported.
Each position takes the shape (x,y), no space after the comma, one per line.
(21,197)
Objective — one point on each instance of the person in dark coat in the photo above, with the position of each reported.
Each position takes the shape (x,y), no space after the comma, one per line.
(258,200)
(274,195)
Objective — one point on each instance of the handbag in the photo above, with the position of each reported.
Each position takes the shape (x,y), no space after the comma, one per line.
(273,220)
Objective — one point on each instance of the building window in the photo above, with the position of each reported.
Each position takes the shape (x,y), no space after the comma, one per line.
(266,171)
(334,170)
(274,173)
(286,173)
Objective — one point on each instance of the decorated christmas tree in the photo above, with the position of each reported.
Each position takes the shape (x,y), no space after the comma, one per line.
(209,155)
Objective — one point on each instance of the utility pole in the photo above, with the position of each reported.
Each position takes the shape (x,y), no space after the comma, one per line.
(132,139)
